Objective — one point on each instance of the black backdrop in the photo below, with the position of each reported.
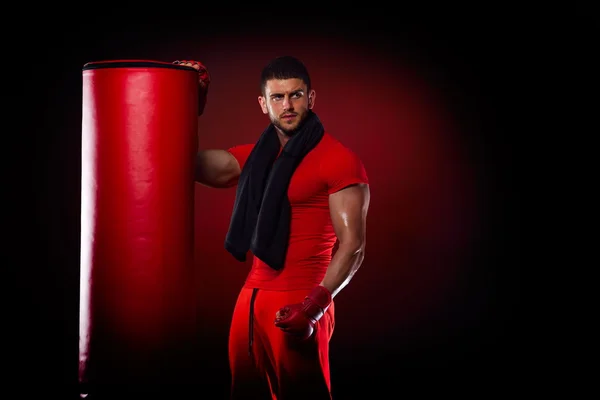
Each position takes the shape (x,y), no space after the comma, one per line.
(484,56)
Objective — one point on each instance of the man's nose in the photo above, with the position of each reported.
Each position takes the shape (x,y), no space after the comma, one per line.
(287,103)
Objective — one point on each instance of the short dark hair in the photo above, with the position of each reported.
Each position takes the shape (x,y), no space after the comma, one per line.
(284,67)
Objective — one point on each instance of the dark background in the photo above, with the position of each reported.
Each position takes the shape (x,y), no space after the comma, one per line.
(433,102)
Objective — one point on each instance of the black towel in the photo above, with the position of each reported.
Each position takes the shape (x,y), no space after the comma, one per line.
(260,221)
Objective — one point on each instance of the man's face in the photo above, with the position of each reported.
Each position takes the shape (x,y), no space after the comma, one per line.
(287,102)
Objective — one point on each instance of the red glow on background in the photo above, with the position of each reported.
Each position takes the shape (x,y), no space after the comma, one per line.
(428,105)
(422,205)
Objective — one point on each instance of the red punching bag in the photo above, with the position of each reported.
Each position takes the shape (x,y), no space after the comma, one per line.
(137,307)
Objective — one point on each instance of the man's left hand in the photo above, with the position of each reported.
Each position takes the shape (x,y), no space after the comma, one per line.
(203,81)
(299,319)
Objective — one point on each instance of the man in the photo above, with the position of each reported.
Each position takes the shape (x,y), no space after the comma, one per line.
(299,190)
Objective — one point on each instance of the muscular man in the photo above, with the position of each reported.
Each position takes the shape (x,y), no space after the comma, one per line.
(299,191)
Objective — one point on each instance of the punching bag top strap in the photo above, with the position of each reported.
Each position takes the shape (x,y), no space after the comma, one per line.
(134,64)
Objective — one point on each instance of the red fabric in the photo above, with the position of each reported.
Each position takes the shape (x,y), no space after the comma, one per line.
(281,366)
(328,168)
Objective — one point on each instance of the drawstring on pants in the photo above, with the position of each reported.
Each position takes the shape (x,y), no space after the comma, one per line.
(251,322)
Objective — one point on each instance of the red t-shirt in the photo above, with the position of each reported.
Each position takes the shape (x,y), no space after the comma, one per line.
(329,167)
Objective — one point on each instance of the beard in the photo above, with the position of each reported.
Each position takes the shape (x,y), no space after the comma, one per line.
(287,130)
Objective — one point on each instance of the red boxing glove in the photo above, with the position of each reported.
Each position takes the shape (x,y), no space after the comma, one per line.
(299,319)
(203,81)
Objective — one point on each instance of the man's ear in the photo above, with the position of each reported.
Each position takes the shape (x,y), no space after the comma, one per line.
(263,104)
(311,99)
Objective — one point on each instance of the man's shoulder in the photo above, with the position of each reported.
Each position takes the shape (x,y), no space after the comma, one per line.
(241,147)
(339,165)
(241,150)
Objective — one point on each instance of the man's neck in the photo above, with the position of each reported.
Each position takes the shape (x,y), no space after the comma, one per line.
(283,138)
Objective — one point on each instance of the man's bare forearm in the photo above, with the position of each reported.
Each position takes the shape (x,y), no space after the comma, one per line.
(344,264)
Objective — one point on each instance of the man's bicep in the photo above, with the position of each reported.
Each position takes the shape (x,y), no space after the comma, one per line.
(240,155)
(348,208)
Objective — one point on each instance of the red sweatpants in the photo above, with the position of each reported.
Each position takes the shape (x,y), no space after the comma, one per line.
(267,363)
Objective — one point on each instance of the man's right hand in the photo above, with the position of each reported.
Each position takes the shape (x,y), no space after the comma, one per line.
(203,81)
